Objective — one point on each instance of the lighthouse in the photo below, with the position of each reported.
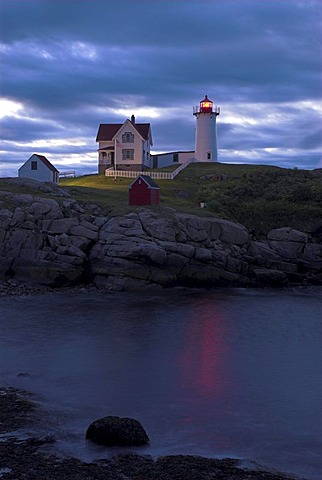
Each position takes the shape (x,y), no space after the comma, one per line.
(206,131)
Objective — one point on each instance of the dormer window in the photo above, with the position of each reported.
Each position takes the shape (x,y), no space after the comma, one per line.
(127,137)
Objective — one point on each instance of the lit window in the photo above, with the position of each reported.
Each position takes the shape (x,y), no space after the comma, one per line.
(33,165)
(128,154)
(127,137)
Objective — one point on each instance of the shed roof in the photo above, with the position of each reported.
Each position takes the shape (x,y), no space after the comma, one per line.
(148,180)
(44,160)
(47,162)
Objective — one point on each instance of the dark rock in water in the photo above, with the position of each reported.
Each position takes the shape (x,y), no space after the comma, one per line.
(117,431)
(16,408)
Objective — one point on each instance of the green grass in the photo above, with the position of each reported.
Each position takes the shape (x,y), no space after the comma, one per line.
(259,197)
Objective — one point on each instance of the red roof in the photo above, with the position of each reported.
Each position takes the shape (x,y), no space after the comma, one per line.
(206,99)
(107,131)
(46,162)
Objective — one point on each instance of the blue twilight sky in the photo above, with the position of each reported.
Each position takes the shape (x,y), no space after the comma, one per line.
(69,65)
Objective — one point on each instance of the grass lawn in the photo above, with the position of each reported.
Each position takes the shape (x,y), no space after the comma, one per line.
(259,197)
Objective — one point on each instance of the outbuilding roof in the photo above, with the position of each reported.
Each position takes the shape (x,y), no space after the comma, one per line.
(47,163)
(148,180)
(44,160)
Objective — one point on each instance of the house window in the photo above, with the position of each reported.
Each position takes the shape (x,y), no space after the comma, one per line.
(175,157)
(127,137)
(209,156)
(104,155)
(128,154)
(33,165)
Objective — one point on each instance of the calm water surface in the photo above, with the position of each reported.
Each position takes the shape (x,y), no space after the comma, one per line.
(225,373)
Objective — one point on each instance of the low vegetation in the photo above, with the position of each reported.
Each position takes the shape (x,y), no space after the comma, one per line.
(259,197)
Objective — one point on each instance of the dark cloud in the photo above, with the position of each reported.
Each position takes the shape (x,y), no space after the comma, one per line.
(73,64)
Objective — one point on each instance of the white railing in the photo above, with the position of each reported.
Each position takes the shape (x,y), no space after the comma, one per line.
(182,167)
(134,174)
(155,175)
(215,110)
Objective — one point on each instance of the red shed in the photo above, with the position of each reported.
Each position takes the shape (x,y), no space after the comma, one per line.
(144,191)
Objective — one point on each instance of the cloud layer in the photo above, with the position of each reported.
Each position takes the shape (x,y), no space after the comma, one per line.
(69,65)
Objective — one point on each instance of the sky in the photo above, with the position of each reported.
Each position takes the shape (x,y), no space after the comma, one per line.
(69,65)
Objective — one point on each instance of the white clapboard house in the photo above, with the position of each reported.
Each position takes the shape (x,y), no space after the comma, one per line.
(38,167)
(124,146)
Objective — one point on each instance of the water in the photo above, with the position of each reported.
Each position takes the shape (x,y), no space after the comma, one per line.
(227,373)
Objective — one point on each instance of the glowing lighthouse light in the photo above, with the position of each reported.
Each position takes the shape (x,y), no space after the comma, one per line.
(206,131)
(206,105)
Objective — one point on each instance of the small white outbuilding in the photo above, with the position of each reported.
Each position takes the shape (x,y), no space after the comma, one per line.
(39,168)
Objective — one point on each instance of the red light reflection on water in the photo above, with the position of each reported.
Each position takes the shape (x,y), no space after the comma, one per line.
(202,362)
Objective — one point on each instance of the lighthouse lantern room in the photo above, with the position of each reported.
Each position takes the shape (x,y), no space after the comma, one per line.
(206,131)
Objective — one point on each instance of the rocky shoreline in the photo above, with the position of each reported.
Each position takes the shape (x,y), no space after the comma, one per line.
(24,460)
(59,242)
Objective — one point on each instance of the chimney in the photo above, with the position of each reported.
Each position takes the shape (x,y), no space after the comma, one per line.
(133,119)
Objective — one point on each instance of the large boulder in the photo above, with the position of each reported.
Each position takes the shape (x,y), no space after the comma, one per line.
(287,242)
(117,431)
(270,278)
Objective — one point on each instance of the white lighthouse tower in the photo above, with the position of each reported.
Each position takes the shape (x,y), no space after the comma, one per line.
(206,131)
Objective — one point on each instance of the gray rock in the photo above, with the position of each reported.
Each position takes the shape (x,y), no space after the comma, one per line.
(262,252)
(154,254)
(234,233)
(18,218)
(312,251)
(203,254)
(42,241)
(270,278)
(286,267)
(62,225)
(157,227)
(183,249)
(286,249)
(41,207)
(21,199)
(80,230)
(71,250)
(164,277)
(287,234)
(117,431)
(175,263)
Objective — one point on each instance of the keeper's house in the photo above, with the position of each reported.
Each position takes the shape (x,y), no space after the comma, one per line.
(144,191)
(37,167)
(124,146)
